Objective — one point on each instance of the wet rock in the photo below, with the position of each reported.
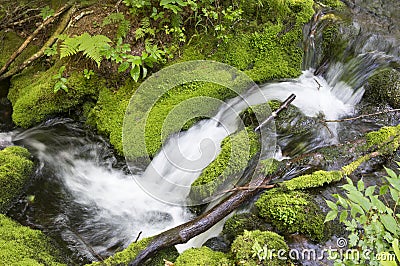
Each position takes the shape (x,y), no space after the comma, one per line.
(217,244)
(384,87)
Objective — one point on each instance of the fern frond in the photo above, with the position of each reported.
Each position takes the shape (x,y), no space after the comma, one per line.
(69,47)
(113,18)
(91,46)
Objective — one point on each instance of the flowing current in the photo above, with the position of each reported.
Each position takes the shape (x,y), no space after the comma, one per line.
(88,200)
(98,208)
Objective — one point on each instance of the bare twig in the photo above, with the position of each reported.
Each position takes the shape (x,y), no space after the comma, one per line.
(284,105)
(137,238)
(33,35)
(362,116)
(91,250)
(78,17)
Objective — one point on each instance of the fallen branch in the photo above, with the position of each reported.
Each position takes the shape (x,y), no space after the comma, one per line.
(362,116)
(32,36)
(183,233)
(40,53)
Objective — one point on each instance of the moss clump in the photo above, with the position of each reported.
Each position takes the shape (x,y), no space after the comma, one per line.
(203,256)
(292,212)
(316,179)
(33,98)
(108,113)
(384,87)
(20,245)
(243,252)
(238,223)
(386,139)
(129,254)
(15,170)
(236,151)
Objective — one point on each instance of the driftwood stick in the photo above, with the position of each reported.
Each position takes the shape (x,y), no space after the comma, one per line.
(40,53)
(30,38)
(362,116)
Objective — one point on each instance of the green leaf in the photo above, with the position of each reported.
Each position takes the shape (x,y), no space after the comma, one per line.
(144,72)
(378,203)
(395,245)
(360,185)
(331,216)
(391,173)
(331,205)
(122,67)
(343,216)
(358,197)
(135,72)
(390,223)
(395,194)
(383,190)
(342,202)
(355,208)
(370,191)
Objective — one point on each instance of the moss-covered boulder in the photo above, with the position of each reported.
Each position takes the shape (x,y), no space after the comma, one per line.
(238,223)
(203,256)
(384,87)
(236,151)
(33,98)
(15,170)
(248,248)
(20,245)
(129,254)
(292,212)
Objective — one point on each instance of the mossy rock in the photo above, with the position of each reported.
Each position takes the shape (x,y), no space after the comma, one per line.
(20,245)
(386,139)
(33,98)
(238,223)
(384,87)
(15,170)
(243,247)
(292,212)
(129,254)
(203,256)
(236,152)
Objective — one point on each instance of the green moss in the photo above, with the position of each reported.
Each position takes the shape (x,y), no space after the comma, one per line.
(33,98)
(108,114)
(386,139)
(20,245)
(203,256)
(269,166)
(316,179)
(384,87)
(15,170)
(9,42)
(238,223)
(129,254)
(236,151)
(242,247)
(292,212)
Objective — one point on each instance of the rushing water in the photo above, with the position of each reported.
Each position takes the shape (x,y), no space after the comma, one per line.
(88,200)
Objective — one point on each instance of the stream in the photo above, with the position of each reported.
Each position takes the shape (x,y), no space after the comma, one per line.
(87,199)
